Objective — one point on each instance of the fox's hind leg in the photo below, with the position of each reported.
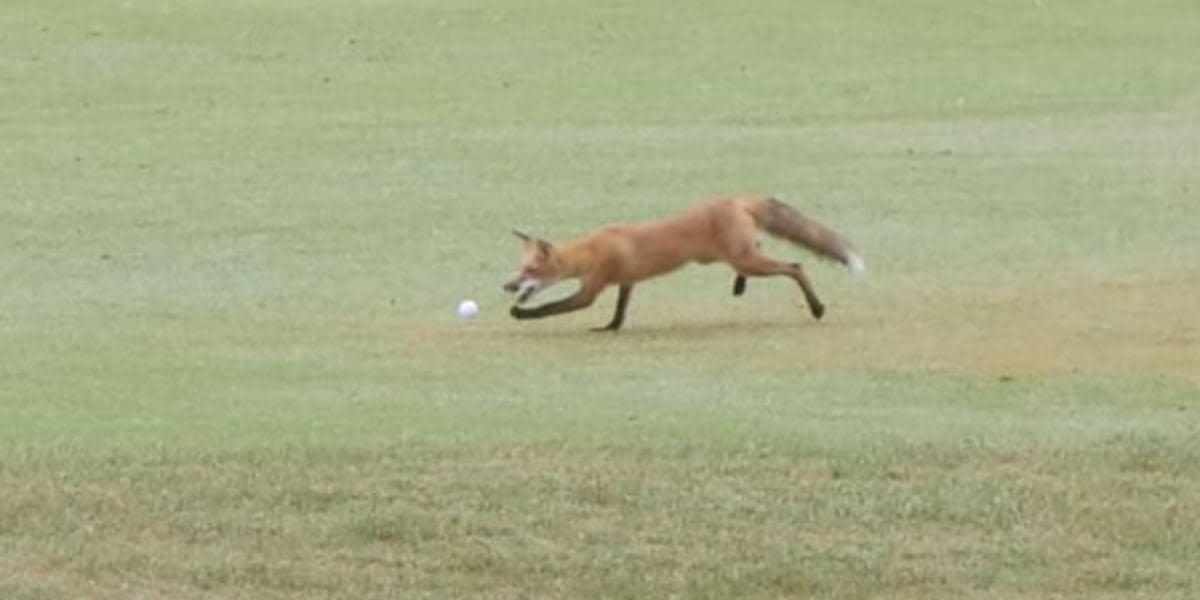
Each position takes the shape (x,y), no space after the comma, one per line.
(739,285)
(739,282)
(618,317)
(754,264)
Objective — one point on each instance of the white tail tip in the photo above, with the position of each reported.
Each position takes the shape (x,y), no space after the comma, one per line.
(855,263)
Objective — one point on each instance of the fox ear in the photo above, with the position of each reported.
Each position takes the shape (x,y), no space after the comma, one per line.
(544,248)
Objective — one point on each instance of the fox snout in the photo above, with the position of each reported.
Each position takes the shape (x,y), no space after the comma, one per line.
(523,287)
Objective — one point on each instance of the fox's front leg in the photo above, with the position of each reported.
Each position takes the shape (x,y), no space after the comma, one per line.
(618,317)
(579,300)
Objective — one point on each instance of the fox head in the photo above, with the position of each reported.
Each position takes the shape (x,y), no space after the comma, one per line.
(539,268)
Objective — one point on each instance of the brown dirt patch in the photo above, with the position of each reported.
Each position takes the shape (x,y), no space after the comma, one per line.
(1121,328)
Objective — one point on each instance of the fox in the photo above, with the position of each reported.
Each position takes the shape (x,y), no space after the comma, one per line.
(623,255)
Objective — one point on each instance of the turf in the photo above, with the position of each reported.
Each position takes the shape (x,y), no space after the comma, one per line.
(236,233)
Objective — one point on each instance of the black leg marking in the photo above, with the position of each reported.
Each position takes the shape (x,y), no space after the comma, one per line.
(618,317)
(574,302)
(739,285)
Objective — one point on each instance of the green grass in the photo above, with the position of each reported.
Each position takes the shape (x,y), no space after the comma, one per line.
(236,233)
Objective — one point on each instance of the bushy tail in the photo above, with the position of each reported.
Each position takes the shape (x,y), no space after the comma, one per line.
(783,221)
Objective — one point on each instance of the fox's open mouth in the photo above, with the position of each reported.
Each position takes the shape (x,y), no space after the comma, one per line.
(523,289)
(524,296)
(526,290)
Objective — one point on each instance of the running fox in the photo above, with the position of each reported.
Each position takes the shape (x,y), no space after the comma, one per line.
(716,230)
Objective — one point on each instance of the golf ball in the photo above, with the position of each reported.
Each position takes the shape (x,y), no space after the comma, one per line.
(467,309)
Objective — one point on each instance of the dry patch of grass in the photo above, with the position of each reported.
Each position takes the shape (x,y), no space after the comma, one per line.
(508,522)
(1031,329)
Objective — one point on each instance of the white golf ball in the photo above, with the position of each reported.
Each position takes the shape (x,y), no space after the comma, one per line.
(467,309)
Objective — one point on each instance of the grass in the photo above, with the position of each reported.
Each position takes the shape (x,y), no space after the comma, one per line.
(237,232)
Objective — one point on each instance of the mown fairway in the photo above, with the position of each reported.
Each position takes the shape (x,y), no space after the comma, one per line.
(235,231)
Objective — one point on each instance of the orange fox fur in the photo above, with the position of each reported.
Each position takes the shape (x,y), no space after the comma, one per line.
(716,230)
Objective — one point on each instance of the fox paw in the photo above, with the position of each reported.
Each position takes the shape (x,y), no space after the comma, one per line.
(818,311)
(517,312)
